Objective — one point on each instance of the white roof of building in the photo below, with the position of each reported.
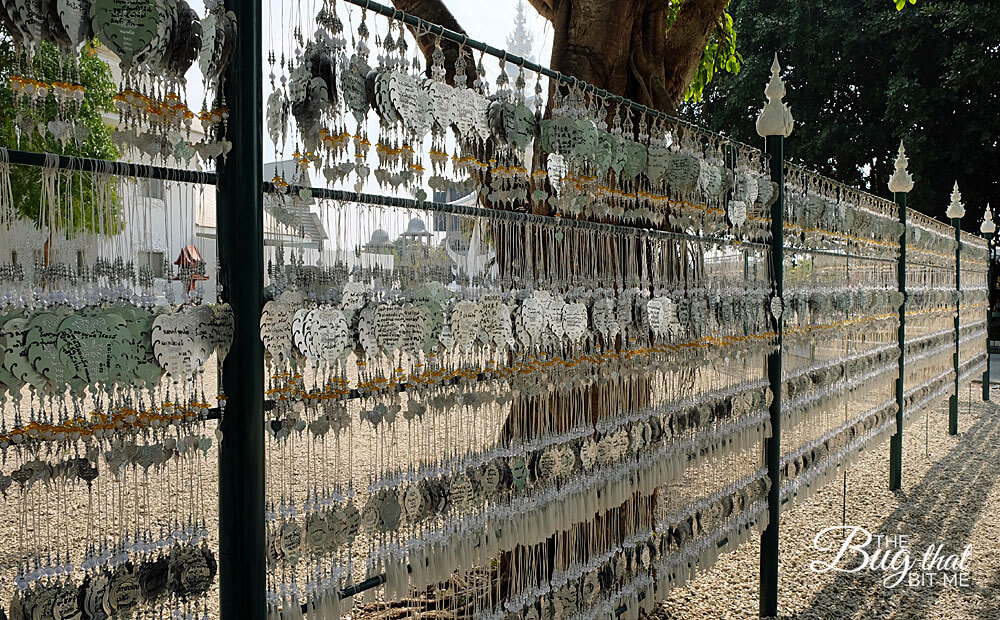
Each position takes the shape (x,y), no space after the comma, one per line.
(287,218)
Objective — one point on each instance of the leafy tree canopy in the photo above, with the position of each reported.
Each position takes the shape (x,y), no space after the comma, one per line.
(861,76)
(48,66)
(720,54)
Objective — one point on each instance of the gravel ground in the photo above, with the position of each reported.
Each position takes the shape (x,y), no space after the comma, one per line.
(950,497)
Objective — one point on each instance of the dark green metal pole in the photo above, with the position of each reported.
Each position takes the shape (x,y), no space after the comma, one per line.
(242,558)
(953,401)
(989,312)
(896,443)
(772,445)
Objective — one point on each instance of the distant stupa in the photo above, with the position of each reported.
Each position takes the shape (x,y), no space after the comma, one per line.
(520,42)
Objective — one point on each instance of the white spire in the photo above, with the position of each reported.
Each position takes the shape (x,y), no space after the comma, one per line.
(901,181)
(956,209)
(520,41)
(776,117)
(988,227)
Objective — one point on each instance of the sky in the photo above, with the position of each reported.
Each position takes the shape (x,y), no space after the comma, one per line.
(492,21)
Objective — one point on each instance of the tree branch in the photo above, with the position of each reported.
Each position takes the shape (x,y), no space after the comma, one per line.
(433,11)
(685,44)
(655,6)
(545,8)
(655,28)
(637,76)
(640,68)
(436,12)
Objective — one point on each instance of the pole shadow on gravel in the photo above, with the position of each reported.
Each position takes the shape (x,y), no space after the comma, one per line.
(942,508)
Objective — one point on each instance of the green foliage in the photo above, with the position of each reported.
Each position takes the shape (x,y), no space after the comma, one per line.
(49,66)
(720,56)
(861,76)
(801,269)
(901,3)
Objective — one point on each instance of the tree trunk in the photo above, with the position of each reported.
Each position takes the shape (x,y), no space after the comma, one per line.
(627,48)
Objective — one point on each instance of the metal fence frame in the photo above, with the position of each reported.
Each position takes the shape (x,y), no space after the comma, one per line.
(240,190)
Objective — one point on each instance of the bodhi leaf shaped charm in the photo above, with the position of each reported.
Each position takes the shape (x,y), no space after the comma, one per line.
(16,358)
(7,380)
(635,158)
(414,321)
(74,15)
(299,333)
(224,324)
(662,316)
(444,109)
(560,135)
(98,348)
(575,321)
(352,84)
(147,370)
(173,344)
(776,307)
(709,179)
(605,156)
(533,317)
(275,328)
(603,317)
(328,333)
(683,172)
(31,16)
(657,162)
(202,318)
(127,27)
(466,323)
(737,213)
(519,126)
(43,349)
(388,326)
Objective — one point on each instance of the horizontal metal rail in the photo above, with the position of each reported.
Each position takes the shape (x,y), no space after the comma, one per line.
(104,166)
(499,214)
(27,158)
(835,254)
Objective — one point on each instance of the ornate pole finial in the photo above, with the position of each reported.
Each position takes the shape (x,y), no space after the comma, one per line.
(776,117)
(956,210)
(988,227)
(901,181)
